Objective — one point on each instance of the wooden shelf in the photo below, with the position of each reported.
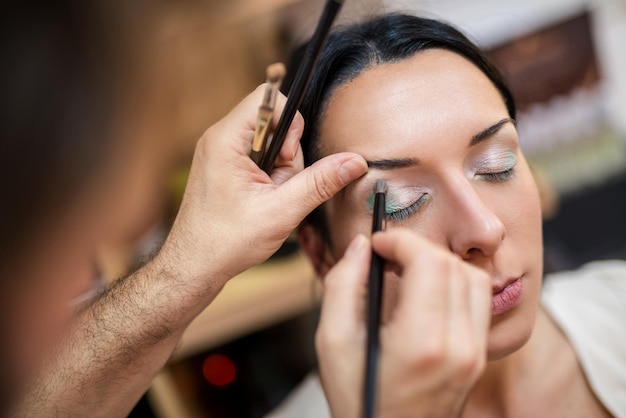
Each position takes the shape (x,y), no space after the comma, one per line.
(260,297)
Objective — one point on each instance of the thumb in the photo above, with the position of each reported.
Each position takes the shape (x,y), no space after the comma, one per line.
(318,183)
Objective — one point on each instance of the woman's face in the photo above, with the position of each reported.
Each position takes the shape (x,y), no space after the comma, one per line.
(437,131)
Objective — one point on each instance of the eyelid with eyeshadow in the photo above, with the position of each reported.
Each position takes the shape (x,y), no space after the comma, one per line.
(493,162)
(400,201)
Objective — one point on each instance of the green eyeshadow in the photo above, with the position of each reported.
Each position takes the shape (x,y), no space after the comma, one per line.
(390,207)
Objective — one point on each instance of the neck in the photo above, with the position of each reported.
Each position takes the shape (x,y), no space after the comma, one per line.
(498,389)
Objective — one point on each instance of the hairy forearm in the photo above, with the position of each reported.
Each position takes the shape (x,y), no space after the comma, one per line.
(117,345)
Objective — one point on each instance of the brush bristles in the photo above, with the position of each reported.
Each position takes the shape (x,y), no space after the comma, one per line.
(275,72)
(380,186)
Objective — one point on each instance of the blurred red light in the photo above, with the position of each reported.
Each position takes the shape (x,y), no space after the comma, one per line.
(219,370)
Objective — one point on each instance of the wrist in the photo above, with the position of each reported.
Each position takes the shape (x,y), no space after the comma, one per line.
(190,262)
(175,291)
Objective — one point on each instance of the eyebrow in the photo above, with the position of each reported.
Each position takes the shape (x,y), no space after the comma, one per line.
(490,131)
(395,163)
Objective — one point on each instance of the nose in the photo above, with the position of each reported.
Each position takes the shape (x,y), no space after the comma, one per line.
(475,230)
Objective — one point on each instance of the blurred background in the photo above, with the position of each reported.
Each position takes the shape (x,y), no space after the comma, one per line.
(566,63)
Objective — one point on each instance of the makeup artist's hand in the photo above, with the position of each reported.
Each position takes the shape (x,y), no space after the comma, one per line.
(433,346)
(233,214)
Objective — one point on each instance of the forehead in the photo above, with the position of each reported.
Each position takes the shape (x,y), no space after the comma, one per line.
(435,95)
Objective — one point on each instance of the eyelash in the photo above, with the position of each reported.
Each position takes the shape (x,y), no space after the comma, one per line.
(499,176)
(403,214)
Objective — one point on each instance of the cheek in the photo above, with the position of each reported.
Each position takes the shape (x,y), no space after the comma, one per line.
(523,249)
(521,215)
(52,298)
(42,303)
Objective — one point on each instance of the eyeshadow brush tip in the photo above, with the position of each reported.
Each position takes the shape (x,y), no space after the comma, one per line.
(275,72)
(380,186)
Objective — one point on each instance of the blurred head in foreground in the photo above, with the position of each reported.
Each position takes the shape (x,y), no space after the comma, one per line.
(77,126)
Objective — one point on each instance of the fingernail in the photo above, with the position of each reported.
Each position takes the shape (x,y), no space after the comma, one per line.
(352,169)
(355,246)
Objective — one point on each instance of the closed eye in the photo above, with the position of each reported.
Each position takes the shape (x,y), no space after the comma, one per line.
(499,176)
(400,215)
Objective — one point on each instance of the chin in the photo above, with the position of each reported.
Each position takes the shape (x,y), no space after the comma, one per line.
(510,332)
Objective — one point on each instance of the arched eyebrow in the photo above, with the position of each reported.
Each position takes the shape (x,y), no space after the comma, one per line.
(395,163)
(490,131)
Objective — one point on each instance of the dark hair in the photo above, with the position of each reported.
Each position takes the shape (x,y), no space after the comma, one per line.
(61,76)
(385,39)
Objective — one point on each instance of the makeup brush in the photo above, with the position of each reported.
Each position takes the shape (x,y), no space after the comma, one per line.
(375,297)
(301,82)
(274,75)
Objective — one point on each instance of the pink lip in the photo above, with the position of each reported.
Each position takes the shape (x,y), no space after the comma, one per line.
(507,297)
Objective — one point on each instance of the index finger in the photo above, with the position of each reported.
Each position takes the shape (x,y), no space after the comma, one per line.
(423,298)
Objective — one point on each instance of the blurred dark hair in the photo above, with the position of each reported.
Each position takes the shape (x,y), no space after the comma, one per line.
(56,110)
(353,49)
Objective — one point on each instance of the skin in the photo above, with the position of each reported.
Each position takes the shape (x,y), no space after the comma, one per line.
(440,112)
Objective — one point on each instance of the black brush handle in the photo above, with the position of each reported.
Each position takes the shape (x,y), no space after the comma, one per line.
(375,298)
(301,82)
